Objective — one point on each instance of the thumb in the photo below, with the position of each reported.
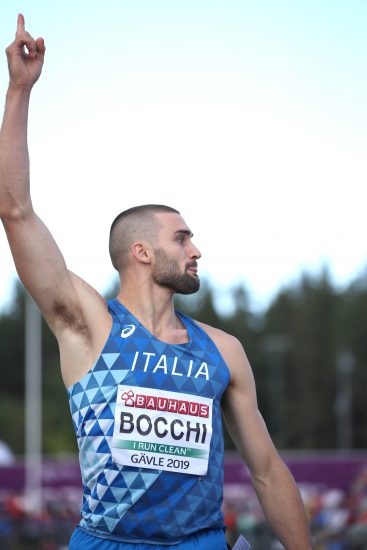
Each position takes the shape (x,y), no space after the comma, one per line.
(41,48)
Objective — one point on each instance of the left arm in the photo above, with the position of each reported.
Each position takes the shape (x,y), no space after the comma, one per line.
(272,481)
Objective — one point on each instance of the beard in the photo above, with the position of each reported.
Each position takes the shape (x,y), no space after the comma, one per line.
(166,272)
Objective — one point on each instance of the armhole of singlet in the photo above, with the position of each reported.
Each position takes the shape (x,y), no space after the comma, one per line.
(115,318)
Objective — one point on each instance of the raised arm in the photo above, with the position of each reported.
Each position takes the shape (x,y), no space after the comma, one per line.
(38,260)
(271,479)
(69,305)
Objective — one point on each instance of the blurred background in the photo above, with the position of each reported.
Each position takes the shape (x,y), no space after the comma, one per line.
(250,119)
(308,352)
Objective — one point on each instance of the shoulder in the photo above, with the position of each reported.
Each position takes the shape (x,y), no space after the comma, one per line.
(220,338)
(228,345)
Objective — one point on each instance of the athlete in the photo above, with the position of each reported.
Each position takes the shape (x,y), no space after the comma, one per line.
(146,384)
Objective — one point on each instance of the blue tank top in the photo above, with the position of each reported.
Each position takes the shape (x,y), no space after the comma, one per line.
(148,424)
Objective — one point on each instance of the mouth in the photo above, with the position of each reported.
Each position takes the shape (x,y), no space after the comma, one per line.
(193,270)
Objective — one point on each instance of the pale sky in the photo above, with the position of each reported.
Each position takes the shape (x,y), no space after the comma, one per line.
(248,117)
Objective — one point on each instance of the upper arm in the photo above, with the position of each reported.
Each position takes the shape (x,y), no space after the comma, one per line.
(240,409)
(64,299)
(243,418)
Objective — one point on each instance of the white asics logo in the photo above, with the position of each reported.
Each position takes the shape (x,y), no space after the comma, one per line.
(127,331)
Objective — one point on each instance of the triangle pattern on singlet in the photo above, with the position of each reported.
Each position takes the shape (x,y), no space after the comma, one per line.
(110,358)
(146,504)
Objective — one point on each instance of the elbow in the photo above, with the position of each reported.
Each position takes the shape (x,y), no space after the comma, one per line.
(268,472)
(13,212)
(261,480)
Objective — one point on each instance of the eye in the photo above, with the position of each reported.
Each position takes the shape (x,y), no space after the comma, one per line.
(181,239)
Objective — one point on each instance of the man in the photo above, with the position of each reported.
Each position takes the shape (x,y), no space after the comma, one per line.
(146,384)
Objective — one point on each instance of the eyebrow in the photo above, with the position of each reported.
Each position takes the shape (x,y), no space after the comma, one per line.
(184,232)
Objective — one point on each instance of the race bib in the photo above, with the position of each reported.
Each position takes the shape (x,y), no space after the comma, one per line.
(162,430)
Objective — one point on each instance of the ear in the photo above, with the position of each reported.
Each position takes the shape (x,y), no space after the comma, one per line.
(142,252)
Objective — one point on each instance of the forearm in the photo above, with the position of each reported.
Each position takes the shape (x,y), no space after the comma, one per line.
(283,508)
(14,158)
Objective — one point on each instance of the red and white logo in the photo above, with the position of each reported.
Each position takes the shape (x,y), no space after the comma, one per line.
(128,397)
(165,404)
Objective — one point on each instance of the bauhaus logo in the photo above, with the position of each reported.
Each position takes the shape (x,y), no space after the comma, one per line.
(157,403)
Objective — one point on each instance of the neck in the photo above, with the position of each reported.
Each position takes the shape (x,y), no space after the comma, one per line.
(150,303)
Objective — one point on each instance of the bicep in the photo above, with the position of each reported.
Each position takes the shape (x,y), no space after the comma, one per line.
(243,418)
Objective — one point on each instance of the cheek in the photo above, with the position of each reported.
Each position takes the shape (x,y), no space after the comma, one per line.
(176,251)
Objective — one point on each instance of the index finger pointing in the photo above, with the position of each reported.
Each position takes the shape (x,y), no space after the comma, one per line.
(20,23)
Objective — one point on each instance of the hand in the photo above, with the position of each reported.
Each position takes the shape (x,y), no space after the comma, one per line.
(25,57)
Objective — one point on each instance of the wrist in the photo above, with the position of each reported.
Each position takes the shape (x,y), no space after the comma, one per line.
(19,89)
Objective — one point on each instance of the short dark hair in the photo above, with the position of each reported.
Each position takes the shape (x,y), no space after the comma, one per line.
(135,222)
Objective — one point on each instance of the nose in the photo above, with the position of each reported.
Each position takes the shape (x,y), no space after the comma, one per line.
(195,252)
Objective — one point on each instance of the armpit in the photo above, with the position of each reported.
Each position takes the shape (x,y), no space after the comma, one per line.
(68,318)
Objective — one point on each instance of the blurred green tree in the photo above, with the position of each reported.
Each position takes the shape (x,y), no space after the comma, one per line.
(293,346)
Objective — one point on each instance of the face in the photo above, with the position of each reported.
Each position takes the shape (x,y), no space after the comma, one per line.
(176,256)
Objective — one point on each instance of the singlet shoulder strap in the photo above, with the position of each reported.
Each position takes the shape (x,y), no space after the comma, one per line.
(191,325)
(115,307)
